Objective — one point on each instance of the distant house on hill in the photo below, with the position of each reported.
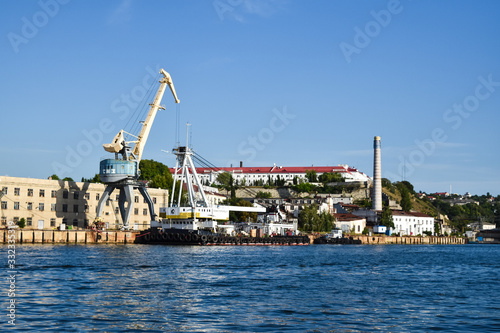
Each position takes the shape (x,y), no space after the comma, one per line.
(441,194)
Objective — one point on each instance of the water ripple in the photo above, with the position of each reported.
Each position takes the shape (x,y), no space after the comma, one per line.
(115,288)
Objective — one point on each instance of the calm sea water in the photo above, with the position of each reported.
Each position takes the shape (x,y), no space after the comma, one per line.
(318,288)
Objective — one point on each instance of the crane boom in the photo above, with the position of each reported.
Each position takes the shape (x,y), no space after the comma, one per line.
(146,127)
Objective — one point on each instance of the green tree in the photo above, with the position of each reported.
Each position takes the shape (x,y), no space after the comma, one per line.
(386,217)
(406,203)
(96,179)
(311,176)
(161,181)
(331,177)
(304,187)
(225,179)
(263,195)
(406,184)
(241,216)
(310,220)
(150,168)
(327,221)
(54,177)
(386,183)
(365,203)
(21,223)
(68,179)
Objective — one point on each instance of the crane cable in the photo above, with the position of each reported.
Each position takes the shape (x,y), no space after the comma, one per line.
(140,110)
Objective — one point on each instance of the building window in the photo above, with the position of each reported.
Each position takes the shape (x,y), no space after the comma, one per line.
(29,206)
(52,222)
(4,220)
(30,192)
(86,208)
(75,208)
(86,223)
(136,199)
(76,195)
(41,194)
(5,190)
(41,206)
(53,207)
(117,197)
(87,196)
(136,211)
(145,211)
(17,190)
(75,223)
(116,210)
(65,194)
(16,219)
(4,204)
(29,221)
(53,193)
(16,205)
(97,196)
(65,221)
(107,202)
(154,200)
(65,208)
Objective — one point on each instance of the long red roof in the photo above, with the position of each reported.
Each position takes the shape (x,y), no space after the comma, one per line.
(277,170)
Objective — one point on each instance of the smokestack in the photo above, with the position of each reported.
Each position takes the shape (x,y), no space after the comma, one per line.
(241,164)
(377,178)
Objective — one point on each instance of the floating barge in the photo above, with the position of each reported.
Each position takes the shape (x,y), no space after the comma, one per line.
(337,240)
(195,237)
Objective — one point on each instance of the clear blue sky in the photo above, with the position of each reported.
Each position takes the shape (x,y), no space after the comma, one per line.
(295,83)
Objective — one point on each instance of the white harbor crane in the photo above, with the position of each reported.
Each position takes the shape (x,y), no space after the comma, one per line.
(123,172)
(197,213)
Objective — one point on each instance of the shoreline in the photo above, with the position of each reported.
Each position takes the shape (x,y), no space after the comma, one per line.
(128,237)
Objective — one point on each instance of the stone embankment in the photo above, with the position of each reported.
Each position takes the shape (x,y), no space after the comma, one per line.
(128,237)
(67,236)
(406,240)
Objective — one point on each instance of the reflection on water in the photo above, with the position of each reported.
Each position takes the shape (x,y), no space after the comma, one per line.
(257,289)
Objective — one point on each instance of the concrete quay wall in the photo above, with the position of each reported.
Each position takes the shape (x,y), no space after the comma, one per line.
(66,236)
(374,240)
(127,237)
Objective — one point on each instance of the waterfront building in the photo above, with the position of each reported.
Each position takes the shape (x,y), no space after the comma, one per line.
(48,204)
(412,223)
(348,222)
(254,175)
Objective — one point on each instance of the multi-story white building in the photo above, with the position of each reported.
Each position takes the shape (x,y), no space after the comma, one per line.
(412,223)
(252,175)
(46,204)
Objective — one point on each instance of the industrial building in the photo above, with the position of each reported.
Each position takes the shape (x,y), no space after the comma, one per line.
(48,204)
